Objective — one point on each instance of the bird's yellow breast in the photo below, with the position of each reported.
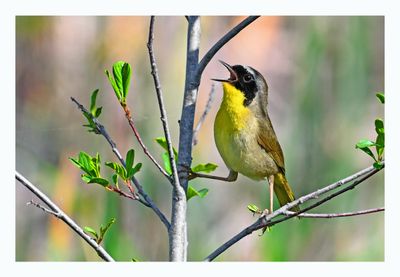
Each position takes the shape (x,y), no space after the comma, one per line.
(232,115)
(235,132)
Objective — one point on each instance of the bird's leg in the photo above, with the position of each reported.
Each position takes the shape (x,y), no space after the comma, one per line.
(232,177)
(271,197)
(271,193)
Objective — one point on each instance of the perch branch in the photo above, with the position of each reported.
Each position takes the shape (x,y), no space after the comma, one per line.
(265,221)
(335,215)
(56,211)
(114,148)
(204,114)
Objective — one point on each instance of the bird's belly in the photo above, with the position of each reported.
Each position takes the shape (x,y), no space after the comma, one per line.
(241,152)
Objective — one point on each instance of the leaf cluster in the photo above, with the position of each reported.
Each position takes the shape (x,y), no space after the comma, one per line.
(366,145)
(91,168)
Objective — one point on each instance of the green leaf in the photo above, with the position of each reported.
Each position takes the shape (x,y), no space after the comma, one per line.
(103,230)
(192,192)
(134,170)
(93,101)
(163,143)
(99,180)
(380,145)
(75,162)
(378,165)
(87,164)
(208,167)
(126,78)
(363,143)
(379,126)
(86,178)
(118,93)
(130,156)
(167,164)
(369,152)
(115,179)
(253,208)
(97,112)
(119,169)
(91,231)
(381,97)
(135,260)
(84,162)
(117,73)
(121,80)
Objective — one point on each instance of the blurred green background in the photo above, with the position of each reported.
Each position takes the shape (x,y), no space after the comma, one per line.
(323,73)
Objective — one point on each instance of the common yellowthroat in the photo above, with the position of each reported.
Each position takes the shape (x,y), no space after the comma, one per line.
(244,134)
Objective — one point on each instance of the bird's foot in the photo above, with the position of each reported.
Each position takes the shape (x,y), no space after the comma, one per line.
(264,213)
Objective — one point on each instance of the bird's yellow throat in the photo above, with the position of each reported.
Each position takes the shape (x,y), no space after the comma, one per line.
(232,111)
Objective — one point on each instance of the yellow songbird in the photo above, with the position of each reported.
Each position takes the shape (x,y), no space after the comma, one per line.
(244,134)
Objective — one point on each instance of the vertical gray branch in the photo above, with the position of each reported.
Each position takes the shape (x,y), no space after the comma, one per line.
(56,211)
(189,99)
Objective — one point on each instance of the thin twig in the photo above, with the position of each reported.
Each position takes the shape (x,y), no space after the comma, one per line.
(204,114)
(46,210)
(265,221)
(56,211)
(139,139)
(336,215)
(163,113)
(177,232)
(217,46)
(148,202)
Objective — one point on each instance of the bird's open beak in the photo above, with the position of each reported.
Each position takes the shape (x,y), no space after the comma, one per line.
(233,78)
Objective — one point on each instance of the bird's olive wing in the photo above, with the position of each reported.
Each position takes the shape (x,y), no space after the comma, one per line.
(267,139)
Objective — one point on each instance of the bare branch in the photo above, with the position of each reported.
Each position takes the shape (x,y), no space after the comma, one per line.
(148,202)
(265,221)
(204,114)
(56,211)
(335,215)
(217,46)
(177,232)
(164,118)
(139,139)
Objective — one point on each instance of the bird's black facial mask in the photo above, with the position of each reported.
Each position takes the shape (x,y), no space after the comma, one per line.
(246,83)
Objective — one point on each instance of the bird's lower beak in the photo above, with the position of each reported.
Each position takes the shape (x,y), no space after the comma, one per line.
(233,78)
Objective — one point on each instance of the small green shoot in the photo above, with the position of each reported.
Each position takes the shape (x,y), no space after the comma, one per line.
(254,209)
(120,80)
(192,192)
(94,113)
(91,166)
(127,172)
(366,145)
(98,237)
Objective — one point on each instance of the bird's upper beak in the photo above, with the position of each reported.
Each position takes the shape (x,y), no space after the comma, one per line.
(233,78)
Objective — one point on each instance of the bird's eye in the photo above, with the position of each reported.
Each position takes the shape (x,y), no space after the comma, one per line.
(247,78)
